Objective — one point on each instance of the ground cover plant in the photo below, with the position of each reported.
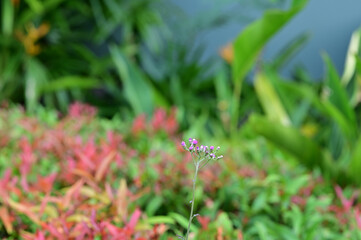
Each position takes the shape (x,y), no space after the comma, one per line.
(77,176)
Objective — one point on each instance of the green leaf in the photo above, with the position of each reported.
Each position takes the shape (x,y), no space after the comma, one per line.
(290,140)
(182,221)
(159,220)
(35,5)
(324,105)
(262,231)
(153,205)
(70,82)
(136,88)
(225,222)
(7,17)
(350,63)
(354,168)
(222,86)
(35,79)
(338,95)
(356,95)
(269,99)
(260,202)
(251,40)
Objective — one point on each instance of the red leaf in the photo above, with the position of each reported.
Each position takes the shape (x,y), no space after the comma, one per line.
(134,219)
(6,220)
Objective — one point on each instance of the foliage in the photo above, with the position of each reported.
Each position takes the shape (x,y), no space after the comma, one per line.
(329,109)
(55,51)
(131,56)
(79,176)
(250,42)
(40,57)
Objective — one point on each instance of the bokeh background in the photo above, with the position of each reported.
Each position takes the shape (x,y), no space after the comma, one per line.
(96,97)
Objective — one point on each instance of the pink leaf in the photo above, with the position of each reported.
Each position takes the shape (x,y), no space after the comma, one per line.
(134,219)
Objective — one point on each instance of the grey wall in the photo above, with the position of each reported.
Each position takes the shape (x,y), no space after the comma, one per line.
(330,23)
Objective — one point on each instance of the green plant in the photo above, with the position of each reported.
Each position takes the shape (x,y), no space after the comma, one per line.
(201,156)
(41,60)
(54,172)
(293,107)
(54,52)
(248,45)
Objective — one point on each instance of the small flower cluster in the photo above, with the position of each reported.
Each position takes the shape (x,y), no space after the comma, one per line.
(201,151)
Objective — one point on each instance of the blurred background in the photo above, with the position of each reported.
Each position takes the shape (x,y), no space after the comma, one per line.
(106,52)
(218,63)
(276,83)
(329,28)
(204,57)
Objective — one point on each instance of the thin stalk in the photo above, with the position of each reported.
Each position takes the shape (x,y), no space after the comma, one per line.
(194,189)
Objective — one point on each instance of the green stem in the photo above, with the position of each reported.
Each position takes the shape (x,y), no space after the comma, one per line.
(194,189)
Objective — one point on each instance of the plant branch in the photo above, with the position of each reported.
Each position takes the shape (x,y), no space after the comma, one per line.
(194,189)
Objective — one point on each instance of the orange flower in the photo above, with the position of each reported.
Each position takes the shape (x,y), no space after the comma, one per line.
(226,53)
(31,36)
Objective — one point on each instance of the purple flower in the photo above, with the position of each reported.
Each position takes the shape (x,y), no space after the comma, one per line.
(197,148)
(191,147)
(183,144)
(212,155)
(195,142)
(190,139)
(211,148)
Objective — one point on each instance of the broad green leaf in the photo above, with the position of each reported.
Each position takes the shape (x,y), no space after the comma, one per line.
(338,95)
(355,163)
(269,99)
(70,82)
(153,205)
(222,86)
(250,42)
(136,88)
(35,79)
(290,140)
(350,63)
(7,17)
